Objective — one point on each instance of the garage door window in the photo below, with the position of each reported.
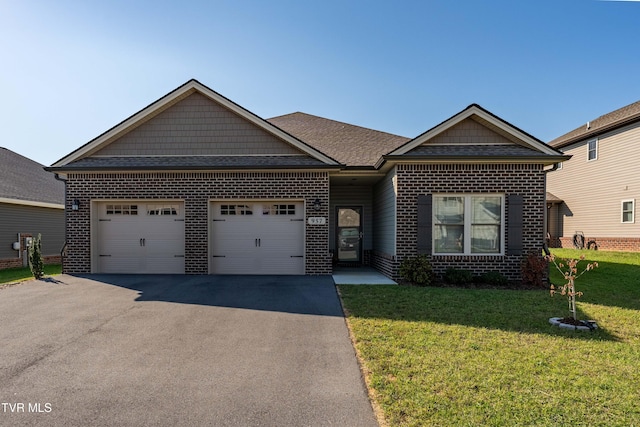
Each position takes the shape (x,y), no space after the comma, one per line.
(162,209)
(235,210)
(122,209)
(279,210)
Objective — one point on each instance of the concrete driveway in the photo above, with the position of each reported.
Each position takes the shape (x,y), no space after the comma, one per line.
(178,350)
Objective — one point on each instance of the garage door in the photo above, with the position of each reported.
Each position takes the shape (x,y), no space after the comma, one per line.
(257,237)
(141,237)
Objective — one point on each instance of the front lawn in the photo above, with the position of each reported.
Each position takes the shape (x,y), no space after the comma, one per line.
(470,357)
(18,274)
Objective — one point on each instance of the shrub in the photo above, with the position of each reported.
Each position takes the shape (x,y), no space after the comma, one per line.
(36,263)
(417,270)
(534,268)
(494,278)
(456,276)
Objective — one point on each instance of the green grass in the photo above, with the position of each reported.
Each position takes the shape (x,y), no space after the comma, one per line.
(471,357)
(18,274)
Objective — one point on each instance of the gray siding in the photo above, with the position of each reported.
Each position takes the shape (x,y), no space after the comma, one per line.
(352,196)
(384,231)
(594,190)
(197,126)
(469,131)
(30,219)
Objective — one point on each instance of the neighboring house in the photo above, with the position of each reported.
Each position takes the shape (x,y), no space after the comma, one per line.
(196,184)
(31,203)
(600,185)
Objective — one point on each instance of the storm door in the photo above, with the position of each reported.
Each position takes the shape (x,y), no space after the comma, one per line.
(349,234)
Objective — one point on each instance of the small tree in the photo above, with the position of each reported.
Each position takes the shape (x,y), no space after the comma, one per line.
(36,263)
(569,270)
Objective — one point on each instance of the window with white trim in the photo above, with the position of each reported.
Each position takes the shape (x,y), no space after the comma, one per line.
(235,210)
(120,209)
(468,224)
(163,209)
(279,210)
(592,150)
(628,211)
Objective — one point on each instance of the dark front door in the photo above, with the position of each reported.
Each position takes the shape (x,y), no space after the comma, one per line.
(349,234)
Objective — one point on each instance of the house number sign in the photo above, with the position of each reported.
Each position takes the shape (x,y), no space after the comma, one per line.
(317,220)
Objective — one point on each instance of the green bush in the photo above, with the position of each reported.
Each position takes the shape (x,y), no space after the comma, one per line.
(455,276)
(36,263)
(494,278)
(417,270)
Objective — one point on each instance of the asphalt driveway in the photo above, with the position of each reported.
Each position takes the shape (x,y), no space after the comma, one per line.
(178,350)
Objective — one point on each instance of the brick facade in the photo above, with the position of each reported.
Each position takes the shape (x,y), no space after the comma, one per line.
(527,180)
(197,189)
(624,244)
(18,262)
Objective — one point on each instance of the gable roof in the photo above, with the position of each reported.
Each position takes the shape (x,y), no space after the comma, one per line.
(522,145)
(349,144)
(25,182)
(173,98)
(615,119)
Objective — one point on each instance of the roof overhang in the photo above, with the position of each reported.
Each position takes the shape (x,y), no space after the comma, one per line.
(31,203)
(598,131)
(190,87)
(485,117)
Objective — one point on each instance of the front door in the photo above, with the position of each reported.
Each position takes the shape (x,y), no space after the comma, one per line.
(349,234)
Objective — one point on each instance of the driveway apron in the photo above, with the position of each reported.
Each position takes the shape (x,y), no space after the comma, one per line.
(150,350)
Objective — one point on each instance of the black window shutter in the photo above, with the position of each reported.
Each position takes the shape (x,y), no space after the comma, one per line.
(514,224)
(424,224)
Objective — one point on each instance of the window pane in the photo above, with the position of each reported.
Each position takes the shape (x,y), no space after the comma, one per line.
(449,210)
(485,238)
(449,238)
(627,211)
(486,210)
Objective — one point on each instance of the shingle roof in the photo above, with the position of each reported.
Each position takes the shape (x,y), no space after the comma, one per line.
(26,180)
(194,162)
(438,151)
(349,144)
(612,120)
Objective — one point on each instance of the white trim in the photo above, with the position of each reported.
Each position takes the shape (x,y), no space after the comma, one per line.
(466,243)
(31,203)
(465,114)
(172,98)
(633,211)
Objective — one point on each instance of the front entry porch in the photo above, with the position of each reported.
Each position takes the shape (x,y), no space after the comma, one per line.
(360,276)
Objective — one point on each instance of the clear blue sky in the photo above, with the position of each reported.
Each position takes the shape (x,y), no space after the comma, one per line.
(70,70)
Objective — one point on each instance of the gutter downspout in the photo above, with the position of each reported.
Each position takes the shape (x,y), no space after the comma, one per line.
(545,247)
(64,246)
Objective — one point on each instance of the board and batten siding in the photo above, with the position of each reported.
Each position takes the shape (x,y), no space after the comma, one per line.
(49,222)
(384,217)
(593,190)
(349,197)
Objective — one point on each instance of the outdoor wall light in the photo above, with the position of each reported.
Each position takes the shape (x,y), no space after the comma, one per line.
(75,205)
(316,204)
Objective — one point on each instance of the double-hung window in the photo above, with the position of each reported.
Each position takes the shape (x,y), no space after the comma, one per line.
(628,211)
(468,223)
(592,150)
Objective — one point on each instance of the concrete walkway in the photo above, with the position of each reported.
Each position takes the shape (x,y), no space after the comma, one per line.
(360,276)
(148,350)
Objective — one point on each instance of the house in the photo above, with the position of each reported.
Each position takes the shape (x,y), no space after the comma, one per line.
(600,184)
(196,184)
(31,203)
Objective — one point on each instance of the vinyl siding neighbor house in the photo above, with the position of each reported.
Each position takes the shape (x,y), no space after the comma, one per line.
(196,184)
(600,185)
(31,203)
